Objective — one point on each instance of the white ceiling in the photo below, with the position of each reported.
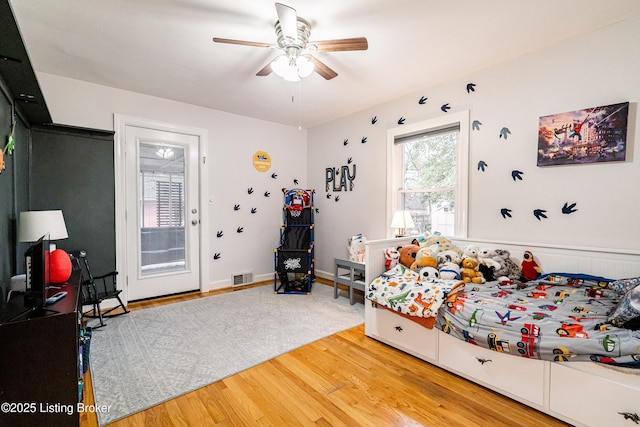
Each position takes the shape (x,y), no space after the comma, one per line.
(164,48)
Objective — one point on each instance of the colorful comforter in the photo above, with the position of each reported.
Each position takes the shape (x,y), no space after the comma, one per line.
(562,317)
(405,291)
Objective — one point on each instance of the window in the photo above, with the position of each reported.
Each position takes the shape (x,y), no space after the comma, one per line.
(428,174)
(162,208)
(169,202)
(162,185)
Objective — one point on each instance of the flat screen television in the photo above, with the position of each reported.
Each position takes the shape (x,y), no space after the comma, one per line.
(37,263)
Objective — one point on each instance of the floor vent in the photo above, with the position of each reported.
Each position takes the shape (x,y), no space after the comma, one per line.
(241,279)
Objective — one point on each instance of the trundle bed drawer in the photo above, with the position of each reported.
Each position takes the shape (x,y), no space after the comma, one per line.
(401,333)
(585,396)
(517,377)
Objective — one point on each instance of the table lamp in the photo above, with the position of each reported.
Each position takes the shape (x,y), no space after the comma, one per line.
(401,221)
(35,224)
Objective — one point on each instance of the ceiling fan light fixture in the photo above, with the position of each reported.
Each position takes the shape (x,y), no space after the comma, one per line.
(285,66)
(280,65)
(291,75)
(305,66)
(292,68)
(292,39)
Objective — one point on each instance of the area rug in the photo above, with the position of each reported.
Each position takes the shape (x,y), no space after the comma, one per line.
(149,356)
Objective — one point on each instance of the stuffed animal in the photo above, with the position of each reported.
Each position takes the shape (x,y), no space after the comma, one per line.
(469,272)
(470,252)
(439,244)
(449,271)
(425,258)
(449,255)
(488,273)
(391,255)
(529,267)
(419,240)
(485,256)
(508,268)
(429,274)
(407,254)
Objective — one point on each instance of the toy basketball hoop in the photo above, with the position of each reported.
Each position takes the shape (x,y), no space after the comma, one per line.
(296,200)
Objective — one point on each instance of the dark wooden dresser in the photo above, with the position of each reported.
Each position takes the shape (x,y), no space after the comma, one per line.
(40,372)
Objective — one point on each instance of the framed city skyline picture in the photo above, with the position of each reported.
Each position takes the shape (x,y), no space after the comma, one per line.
(590,135)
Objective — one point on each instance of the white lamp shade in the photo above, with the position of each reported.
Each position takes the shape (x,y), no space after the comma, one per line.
(35,224)
(402,220)
(305,66)
(292,68)
(280,65)
(291,74)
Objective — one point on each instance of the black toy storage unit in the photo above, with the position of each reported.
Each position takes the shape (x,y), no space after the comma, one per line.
(294,258)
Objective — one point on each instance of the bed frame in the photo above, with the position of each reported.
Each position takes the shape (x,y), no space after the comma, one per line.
(581,393)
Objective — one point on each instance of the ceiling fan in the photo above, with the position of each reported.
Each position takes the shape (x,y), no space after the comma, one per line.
(292,39)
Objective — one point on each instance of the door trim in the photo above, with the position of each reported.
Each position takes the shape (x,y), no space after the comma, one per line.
(120,122)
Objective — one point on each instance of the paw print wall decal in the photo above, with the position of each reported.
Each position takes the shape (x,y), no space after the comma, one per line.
(539,213)
(516,174)
(569,208)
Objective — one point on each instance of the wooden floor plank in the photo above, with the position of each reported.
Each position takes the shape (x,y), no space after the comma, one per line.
(346,379)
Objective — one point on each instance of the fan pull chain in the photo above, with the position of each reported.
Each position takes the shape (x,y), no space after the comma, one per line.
(300,105)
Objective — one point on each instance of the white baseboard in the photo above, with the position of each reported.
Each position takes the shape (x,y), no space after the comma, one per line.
(324,275)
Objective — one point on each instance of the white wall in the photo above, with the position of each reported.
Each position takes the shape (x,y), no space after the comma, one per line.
(232,142)
(599,69)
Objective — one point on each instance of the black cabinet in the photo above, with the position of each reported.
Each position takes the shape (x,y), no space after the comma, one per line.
(40,372)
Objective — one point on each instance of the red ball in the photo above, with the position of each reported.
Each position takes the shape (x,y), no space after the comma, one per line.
(59,266)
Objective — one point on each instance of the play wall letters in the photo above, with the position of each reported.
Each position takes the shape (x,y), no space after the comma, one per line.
(336,178)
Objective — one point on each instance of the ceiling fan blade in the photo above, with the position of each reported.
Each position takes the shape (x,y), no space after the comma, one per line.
(341,45)
(265,71)
(288,21)
(322,68)
(241,42)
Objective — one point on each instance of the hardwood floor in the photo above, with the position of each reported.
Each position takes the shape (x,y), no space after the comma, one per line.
(346,379)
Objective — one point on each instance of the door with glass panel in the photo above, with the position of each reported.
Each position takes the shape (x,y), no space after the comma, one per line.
(162,219)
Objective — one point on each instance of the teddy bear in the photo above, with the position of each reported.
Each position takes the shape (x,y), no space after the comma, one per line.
(449,270)
(469,272)
(391,256)
(485,256)
(424,258)
(407,254)
(470,251)
(508,268)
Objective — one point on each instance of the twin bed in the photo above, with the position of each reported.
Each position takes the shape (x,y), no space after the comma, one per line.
(544,342)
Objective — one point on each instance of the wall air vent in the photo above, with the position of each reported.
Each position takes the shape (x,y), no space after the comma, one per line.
(241,279)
